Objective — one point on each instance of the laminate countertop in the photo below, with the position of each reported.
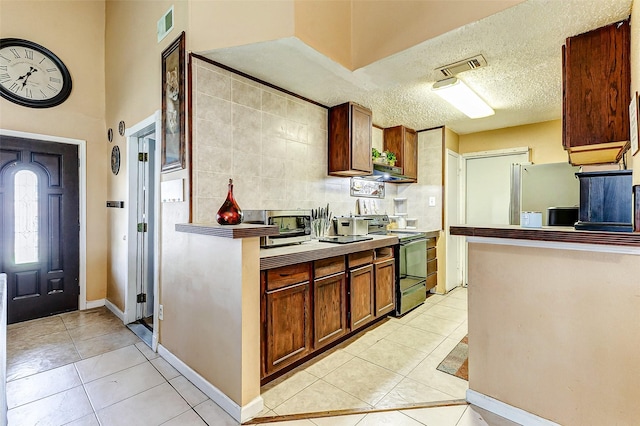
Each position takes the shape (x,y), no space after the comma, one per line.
(553,234)
(275,257)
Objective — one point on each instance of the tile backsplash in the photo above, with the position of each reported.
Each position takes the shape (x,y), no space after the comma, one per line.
(274,147)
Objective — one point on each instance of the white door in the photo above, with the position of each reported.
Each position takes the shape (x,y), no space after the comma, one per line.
(452,217)
(488,185)
(143,173)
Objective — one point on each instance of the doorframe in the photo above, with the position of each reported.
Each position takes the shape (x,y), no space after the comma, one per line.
(131,135)
(82,188)
(459,278)
(463,193)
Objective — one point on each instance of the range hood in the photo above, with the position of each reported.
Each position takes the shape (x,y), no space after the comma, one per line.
(386,173)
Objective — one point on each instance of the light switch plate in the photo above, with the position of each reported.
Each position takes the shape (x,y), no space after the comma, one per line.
(432,201)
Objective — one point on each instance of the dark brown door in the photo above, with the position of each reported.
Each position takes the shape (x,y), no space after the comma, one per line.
(39,236)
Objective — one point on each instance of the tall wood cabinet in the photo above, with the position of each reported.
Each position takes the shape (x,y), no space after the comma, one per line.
(596,94)
(403,142)
(350,132)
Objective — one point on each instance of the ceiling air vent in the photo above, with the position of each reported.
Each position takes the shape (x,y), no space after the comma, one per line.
(450,70)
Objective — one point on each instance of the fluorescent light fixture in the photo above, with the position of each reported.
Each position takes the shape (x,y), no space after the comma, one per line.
(462,97)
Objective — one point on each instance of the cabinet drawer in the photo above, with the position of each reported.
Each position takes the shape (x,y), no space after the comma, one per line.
(431,242)
(431,253)
(360,258)
(287,275)
(432,266)
(329,266)
(384,253)
(432,281)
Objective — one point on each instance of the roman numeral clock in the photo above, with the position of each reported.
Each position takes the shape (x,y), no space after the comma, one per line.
(31,75)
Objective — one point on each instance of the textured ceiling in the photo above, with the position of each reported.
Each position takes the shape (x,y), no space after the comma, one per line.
(522,81)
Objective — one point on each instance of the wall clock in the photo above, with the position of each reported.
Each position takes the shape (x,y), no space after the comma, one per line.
(115,160)
(31,75)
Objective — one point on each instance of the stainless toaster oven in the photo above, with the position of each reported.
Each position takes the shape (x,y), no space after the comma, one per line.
(294,225)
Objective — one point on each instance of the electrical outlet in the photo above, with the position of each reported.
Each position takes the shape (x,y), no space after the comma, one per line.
(160,312)
(432,201)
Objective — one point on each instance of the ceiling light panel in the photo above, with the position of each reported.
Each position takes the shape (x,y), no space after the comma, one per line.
(462,97)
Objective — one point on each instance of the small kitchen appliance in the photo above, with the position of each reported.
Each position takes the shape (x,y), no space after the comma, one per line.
(294,226)
(351,225)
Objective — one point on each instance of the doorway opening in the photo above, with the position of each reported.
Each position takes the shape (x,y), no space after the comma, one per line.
(143,174)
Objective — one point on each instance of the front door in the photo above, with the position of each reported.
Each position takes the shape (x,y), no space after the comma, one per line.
(39,236)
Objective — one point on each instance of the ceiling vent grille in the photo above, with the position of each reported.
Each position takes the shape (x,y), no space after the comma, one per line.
(450,70)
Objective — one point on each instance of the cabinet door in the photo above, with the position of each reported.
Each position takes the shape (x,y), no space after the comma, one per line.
(288,326)
(330,309)
(350,132)
(361,296)
(361,144)
(410,161)
(403,142)
(385,286)
(597,77)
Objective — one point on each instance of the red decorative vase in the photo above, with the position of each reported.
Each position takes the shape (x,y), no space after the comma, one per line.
(229,213)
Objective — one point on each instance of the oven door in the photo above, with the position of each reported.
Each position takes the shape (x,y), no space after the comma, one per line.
(413,263)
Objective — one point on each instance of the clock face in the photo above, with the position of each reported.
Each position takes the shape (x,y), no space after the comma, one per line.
(32,76)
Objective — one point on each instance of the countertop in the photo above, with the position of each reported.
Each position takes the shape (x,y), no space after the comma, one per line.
(275,257)
(549,233)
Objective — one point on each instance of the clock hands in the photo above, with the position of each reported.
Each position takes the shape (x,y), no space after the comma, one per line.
(26,76)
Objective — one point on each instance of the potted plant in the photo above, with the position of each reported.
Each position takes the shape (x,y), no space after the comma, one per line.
(375,155)
(391,158)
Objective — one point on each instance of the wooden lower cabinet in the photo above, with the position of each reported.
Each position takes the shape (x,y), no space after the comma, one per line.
(308,306)
(288,326)
(385,286)
(330,309)
(361,295)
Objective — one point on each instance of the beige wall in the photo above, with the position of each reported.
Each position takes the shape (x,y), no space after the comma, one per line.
(133,93)
(556,332)
(79,43)
(544,140)
(382,28)
(227,23)
(326,26)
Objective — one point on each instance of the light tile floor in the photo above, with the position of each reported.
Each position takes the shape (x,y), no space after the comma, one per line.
(86,368)
(391,365)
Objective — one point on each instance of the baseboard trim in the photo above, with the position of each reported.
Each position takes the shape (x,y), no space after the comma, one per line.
(240,414)
(113,308)
(90,304)
(507,411)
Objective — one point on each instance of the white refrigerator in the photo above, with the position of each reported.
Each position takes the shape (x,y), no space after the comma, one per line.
(536,187)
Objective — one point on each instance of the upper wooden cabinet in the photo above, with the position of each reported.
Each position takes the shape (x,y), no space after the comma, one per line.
(403,142)
(596,94)
(350,131)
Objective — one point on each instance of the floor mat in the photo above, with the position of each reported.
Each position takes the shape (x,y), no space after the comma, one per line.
(457,362)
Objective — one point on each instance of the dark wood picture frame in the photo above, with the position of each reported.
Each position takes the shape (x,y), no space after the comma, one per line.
(173,105)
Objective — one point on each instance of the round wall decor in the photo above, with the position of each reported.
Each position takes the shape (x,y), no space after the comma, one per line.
(115,160)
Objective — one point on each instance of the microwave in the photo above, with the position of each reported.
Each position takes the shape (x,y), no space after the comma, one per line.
(294,226)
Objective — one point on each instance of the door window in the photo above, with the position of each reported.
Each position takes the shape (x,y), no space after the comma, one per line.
(26,217)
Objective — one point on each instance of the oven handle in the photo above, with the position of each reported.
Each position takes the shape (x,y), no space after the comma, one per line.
(418,240)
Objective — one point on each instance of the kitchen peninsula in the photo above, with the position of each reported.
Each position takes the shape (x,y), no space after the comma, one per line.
(554,323)
(220,306)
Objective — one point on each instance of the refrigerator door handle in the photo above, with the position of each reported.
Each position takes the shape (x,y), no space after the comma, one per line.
(514,200)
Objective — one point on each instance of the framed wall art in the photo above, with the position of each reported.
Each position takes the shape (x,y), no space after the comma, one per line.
(173,105)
